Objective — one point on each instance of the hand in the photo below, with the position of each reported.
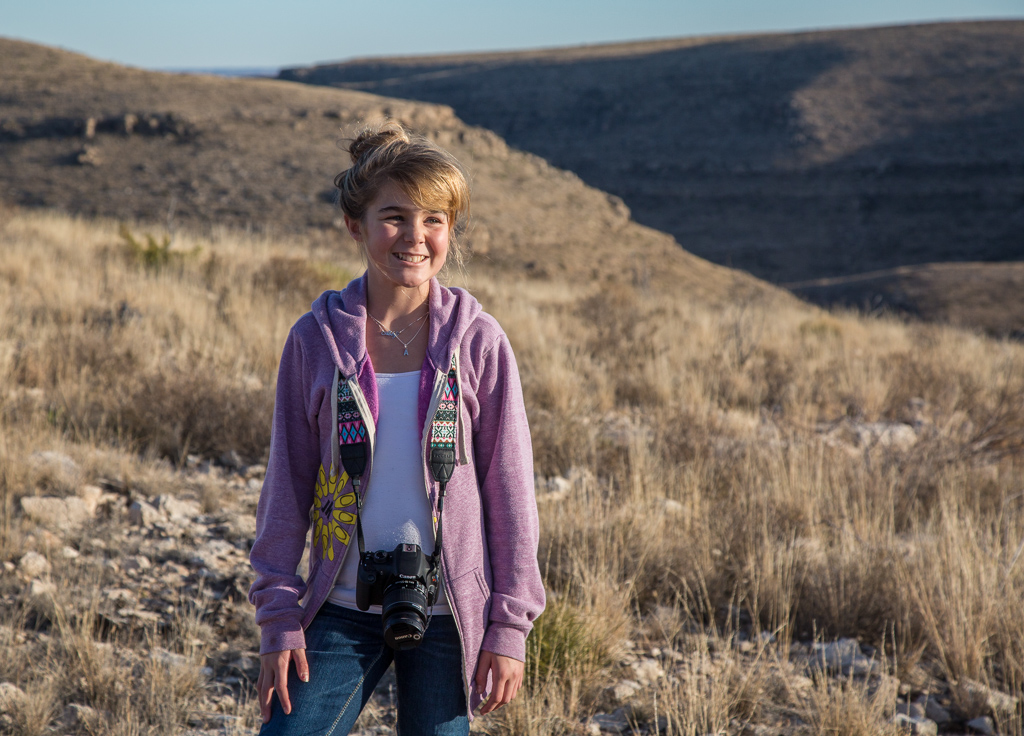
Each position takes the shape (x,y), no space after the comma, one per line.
(274,676)
(506,679)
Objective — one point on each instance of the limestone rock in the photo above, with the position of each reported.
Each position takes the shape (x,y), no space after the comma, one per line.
(934,710)
(915,726)
(647,671)
(624,691)
(614,723)
(78,717)
(33,564)
(136,563)
(994,700)
(142,513)
(56,513)
(11,697)
(41,589)
(841,656)
(983,725)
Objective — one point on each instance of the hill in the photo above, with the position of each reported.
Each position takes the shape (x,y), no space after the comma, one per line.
(95,138)
(791,156)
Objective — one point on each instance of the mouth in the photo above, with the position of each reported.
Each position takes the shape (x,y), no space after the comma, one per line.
(409,258)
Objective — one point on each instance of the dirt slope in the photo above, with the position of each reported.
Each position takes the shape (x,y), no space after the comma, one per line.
(100,139)
(792,156)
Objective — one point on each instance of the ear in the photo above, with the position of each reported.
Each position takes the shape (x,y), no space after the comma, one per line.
(354,228)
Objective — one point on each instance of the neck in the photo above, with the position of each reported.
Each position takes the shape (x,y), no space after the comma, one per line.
(386,301)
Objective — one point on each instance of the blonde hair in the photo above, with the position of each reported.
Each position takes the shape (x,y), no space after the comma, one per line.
(433,178)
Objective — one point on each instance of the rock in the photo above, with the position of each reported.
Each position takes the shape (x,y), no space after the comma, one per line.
(671,507)
(841,656)
(78,717)
(647,671)
(933,710)
(995,700)
(614,723)
(141,513)
(33,564)
(169,659)
(176,509)
(92,496)
(983,725)
(255,471)
(11,697)
(56,513)
(232,461)
(136,563)
(915,726)
(624,691)
(69,553)
(41,589)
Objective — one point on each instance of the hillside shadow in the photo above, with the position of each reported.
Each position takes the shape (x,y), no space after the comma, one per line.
(728,103)
(705,142)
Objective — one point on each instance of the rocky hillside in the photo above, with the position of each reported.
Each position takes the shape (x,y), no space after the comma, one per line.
(95,138)
(791,156)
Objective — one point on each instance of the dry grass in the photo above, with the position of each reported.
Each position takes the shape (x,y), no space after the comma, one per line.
(728,469)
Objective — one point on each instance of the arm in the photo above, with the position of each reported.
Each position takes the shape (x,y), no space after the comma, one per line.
(504,465)
(282,517)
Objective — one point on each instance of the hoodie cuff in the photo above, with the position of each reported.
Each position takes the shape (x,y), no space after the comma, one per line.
(506,640)
(281,638)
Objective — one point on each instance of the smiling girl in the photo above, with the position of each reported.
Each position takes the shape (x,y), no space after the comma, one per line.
(419,382)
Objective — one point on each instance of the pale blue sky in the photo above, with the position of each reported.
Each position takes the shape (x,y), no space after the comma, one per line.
(260,33)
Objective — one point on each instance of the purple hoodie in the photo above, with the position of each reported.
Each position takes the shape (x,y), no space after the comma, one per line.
(489,556)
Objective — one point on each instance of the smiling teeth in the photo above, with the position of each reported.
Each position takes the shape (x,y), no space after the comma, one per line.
(410,259)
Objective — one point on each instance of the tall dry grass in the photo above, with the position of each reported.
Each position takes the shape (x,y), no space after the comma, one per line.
(727,469)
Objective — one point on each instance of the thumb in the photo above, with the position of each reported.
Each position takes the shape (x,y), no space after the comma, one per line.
(301,666)
(481,671)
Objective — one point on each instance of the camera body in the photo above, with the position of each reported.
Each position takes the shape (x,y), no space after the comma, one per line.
(404,584)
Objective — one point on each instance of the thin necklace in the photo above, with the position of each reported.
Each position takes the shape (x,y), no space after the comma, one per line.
(391,333)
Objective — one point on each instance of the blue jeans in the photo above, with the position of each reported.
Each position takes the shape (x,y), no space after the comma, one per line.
(347,657)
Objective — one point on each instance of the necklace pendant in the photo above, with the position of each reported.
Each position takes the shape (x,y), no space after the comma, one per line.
(406,351)
(388,333)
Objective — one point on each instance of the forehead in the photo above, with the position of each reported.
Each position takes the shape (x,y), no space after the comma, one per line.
(392,196)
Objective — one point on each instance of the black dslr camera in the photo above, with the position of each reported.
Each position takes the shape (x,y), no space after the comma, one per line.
(404,584)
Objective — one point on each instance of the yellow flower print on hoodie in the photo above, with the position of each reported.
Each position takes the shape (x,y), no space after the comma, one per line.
(328,505)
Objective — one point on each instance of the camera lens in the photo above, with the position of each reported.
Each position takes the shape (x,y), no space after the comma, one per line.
(404,615)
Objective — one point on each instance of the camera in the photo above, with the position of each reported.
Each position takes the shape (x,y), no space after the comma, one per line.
(404,584)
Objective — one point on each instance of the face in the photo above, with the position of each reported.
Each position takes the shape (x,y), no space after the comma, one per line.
(405,246)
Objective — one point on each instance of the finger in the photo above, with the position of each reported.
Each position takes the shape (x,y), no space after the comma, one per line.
(266,692)
(301,666)
(496,694)
(281,685)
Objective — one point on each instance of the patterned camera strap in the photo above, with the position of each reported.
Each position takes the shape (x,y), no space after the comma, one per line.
(443,436)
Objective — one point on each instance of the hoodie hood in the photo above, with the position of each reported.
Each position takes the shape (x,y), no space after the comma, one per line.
(342,319)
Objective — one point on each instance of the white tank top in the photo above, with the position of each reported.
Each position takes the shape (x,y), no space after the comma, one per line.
(396,509)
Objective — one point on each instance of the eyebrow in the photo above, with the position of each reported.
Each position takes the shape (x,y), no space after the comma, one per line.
(397,208)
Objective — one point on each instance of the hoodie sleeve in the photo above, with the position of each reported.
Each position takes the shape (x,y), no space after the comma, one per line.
(504,462)
(282,516)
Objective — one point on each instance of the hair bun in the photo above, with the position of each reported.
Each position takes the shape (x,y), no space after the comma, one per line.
(377,136)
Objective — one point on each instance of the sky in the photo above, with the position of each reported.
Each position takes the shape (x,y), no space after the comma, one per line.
(213,34)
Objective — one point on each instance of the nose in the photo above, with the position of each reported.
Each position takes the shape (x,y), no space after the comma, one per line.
(416,232)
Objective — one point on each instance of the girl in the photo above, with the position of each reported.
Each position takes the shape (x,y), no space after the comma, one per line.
(408,375)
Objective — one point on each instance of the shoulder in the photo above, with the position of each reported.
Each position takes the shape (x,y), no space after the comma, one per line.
(305,329)
(482,335)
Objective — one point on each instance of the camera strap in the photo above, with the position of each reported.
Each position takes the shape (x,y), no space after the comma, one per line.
(352,442)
